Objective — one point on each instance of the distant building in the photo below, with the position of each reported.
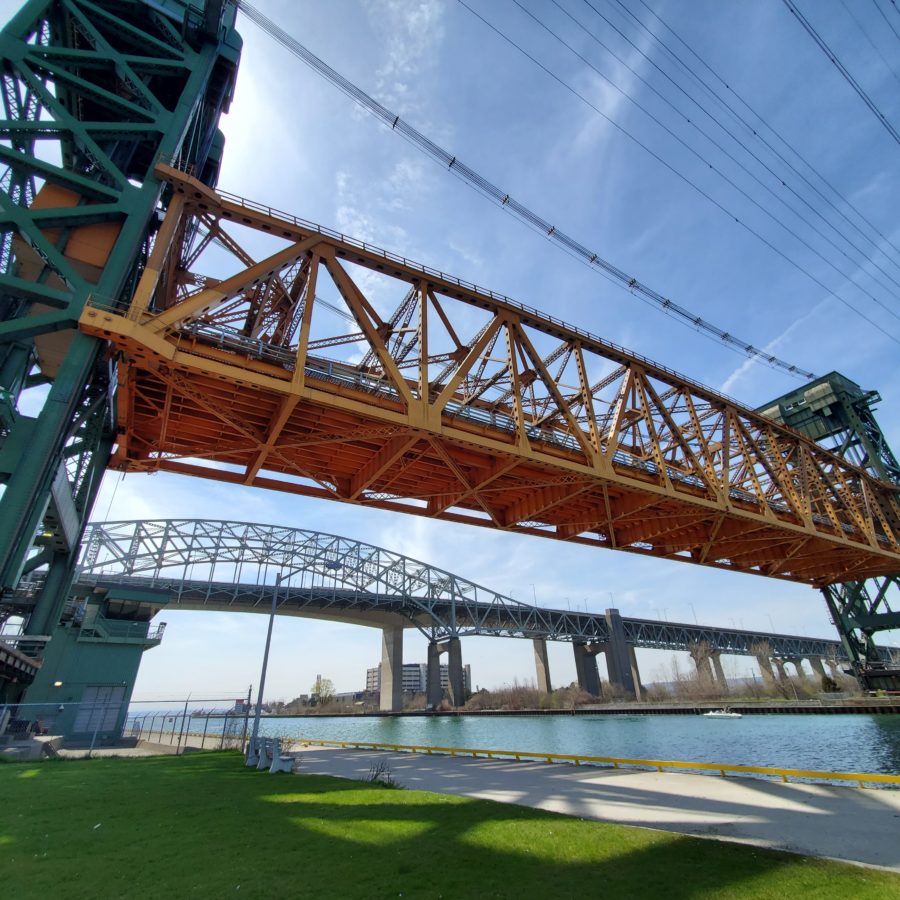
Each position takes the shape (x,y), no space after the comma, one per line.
(415,678)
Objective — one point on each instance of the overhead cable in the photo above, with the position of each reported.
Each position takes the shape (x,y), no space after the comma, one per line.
(504,200)
(715,168)
(886,19)
(868,38)
(843,70)
(779,179)
(754,130)
(680,175)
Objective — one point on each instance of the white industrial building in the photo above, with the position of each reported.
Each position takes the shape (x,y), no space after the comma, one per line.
(415,678)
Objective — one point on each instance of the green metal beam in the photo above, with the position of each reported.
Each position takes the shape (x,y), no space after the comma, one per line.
(113,86)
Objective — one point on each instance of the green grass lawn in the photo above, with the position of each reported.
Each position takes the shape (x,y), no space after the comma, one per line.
(203,825)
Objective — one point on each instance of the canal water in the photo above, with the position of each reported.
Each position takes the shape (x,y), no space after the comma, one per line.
(856,743)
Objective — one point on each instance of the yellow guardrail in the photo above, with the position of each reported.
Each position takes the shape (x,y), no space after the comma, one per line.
(661,765)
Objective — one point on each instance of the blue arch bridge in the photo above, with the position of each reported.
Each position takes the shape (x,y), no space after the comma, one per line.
(238,567)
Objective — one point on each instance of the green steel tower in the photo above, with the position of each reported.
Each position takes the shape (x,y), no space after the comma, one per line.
(837,413)
(95,94)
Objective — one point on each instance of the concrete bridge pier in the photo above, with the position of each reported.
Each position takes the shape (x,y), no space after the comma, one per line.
(618,660)
(635,673)
(797,663)
(434,693)
(391,699)
(700,653)
(818,667)
(721,681)
(456,674)
(779,668)
(765,667)
(542,666)
(836,670)
(586,668)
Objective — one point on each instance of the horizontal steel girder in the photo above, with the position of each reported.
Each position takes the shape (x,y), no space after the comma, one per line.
(463,405)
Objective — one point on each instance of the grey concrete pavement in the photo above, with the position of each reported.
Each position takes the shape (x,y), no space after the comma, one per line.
(851,824)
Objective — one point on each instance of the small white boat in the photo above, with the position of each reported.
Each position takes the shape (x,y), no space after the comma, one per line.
(721,714)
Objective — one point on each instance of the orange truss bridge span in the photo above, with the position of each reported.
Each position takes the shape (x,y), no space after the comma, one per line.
(261,349)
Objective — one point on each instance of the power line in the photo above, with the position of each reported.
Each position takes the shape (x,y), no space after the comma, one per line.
(775,249)
(778,178)
(755,132)
(843,70)
(868,37)
(505,201)
(714,168)
(886,20)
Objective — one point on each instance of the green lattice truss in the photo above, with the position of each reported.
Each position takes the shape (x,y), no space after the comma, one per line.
(838,413)
(94,94)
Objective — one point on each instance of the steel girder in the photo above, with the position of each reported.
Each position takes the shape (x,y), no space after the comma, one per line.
(462,405)
(93,93)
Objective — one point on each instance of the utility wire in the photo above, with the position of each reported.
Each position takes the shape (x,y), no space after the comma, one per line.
(775,249)
(843,70)
(754,131)
(503,199)
(872,43)
(778,178)
(886,20)
(713,167)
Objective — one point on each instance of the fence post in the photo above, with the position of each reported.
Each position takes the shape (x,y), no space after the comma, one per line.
(181,732)
(246,719)
(205,728)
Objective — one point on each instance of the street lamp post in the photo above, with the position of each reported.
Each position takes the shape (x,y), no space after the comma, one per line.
(265,662)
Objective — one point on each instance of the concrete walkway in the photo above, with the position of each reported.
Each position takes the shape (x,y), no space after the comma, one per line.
(850,824)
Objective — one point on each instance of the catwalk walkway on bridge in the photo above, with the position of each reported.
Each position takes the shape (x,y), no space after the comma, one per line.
(845,823)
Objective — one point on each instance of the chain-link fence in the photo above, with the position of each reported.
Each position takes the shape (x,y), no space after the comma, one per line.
(107,719)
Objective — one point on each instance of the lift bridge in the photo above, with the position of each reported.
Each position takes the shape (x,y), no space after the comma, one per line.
(462,405)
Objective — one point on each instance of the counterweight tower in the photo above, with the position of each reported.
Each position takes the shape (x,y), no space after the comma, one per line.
(838,413)
(95,93)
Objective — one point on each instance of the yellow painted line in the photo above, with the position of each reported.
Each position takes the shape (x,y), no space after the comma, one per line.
(660,765)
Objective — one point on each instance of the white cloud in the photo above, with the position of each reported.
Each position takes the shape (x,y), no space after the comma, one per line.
(411,32)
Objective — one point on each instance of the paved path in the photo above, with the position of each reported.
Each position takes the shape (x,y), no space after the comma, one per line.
(851,824)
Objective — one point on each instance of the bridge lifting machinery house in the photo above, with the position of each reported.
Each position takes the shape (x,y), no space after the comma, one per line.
(275,369)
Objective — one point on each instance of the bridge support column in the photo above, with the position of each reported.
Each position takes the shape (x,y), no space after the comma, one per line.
(818,667)
(541,666)
(836,670)
(765,668)
(391,699)
(586,669)
(701,653)
(797,663)
(779,668)
(434,693)
(456,673)
(721,680)
(635,673)
(618,663)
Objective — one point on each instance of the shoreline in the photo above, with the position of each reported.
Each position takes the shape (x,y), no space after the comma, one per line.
(877,706)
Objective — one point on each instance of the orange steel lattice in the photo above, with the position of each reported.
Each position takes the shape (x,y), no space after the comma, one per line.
(461,405)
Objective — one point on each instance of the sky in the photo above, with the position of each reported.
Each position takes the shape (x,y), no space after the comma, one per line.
(295,142)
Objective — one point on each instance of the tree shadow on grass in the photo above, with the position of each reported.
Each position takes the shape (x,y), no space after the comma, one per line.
(205,826)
